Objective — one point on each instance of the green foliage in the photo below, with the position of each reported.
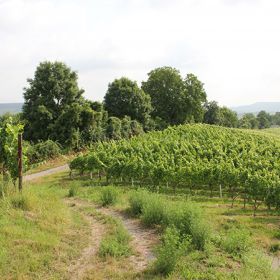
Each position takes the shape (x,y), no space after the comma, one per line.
(116,243)
(264,120)
(171,249)
(185,217)
(175,100)
(114,128)
(21,201)
(248,121)
(237,242)
(137,200)
(109,196)
(54,100)
(257,266)
(222,116)
(154,211)
(195,155)
(44,150)
(125,98)
(73,190)
(9,131)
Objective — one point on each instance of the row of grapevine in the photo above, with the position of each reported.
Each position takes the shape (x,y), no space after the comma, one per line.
(9,148)
(245,163)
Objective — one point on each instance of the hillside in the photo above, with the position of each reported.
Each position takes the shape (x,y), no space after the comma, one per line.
(204,156)
(270,107)
(10,108)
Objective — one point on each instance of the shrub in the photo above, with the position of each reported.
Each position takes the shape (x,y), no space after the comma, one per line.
(73,191)
(189,220)
(237,242)
(137,200)
(43,151)
(116,243)
(170,251)
(109,196)
(274,248)
(154,211)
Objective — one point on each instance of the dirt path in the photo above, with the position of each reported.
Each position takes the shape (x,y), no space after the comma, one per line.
(45,173)
(143,240)
(85,263)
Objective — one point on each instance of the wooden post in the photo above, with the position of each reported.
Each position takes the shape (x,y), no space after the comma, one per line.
(20,162)
(221,194)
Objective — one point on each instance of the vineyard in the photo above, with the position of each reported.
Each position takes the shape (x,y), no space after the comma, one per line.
(234,162)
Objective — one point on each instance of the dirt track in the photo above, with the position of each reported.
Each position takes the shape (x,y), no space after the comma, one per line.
(45,173)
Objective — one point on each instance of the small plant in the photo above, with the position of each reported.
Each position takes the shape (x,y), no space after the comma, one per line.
(73,191)
(108,196)
(274,248)
(189,220)
(171,249)
(154,211)
(237,242)
(137,201)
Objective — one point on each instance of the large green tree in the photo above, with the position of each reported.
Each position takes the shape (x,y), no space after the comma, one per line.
(125,98)
(248,120)
(264,119)
(223,116)
(54,107)
(175,101)
(196,97)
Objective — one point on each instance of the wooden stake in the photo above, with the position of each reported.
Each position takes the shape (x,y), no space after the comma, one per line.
(20,162)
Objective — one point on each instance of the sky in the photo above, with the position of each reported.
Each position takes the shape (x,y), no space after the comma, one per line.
(233,46)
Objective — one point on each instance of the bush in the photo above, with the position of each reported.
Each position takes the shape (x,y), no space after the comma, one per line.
(154,211)
(237,242)
(189,220)
(116,243)
(170,251)
(274,248)
(43,151)
(73,190)
(137,200)
(109,196)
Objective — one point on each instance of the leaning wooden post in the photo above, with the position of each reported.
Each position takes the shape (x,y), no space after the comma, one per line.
(20,162)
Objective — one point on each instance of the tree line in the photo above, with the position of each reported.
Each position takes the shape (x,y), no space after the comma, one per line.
(55,107)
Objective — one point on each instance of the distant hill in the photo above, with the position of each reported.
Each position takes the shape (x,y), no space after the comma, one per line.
(270,107)
(10,108)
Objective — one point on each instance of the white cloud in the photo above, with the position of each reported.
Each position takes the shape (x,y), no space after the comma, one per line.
(231,45)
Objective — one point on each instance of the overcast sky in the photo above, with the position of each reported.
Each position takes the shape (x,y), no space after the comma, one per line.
(233,46)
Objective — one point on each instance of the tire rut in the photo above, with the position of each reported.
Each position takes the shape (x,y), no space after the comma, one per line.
(143,240)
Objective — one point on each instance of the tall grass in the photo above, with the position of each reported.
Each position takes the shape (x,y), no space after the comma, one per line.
(108,196)
(186,217)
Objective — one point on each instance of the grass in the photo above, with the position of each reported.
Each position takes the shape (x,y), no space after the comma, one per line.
(38,233)
(202,238)
(108,196)
(116,242)
(215,239)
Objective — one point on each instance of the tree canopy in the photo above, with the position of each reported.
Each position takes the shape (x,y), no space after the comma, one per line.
(54,107)
(125,98)
(175,100)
